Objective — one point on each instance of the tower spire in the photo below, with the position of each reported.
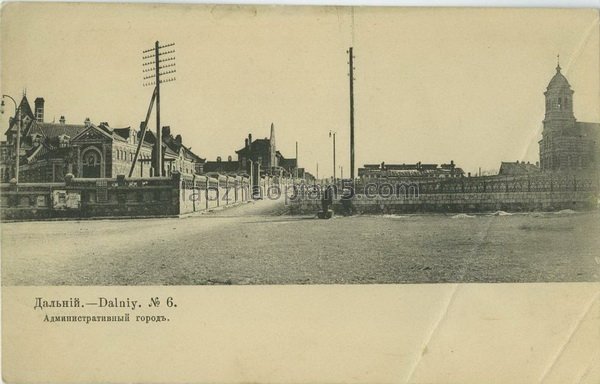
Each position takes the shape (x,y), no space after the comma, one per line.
(558,63)
(273,147)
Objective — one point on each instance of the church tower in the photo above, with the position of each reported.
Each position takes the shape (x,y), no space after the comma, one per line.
(559,145)
(559,102)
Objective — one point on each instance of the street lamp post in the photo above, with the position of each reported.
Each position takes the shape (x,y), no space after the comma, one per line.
(332,135)
(18,143)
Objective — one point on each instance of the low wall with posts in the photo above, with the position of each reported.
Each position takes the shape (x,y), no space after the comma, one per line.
(120,197)
(482,194)
(199,193)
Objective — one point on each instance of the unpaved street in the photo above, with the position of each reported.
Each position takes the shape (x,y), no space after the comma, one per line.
(257,243)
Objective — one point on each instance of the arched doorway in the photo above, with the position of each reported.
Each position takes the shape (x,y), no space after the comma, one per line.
(92,162)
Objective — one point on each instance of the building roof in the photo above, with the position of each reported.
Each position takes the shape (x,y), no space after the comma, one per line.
(36,152)
(26,108)
(175,146)
(221,166)
(255,145)
(26,111)
(170,152)
(149,137)
(517,168)
(123,132)
(403,166)
(405,170)
(188,154)
(51,130)
(559,81)
(371,166)
(47,130)
(288,163)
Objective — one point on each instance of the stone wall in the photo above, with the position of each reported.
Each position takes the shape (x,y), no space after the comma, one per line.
(120,197)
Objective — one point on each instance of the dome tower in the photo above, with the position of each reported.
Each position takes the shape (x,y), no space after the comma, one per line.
(559,102)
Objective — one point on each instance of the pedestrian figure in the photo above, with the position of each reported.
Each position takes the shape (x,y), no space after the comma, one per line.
(326,202)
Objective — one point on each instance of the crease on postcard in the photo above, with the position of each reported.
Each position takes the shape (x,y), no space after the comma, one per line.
(433,332)
(572,331)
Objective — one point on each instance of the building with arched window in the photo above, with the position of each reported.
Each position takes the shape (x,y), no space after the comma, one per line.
(49,151)
(566,144)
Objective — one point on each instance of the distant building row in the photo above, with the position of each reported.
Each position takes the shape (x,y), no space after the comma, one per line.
(259,156)
(49,151)
(409,171)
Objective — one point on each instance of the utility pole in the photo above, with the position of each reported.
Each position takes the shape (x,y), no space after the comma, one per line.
(161,62)
(18,158)
(317,171)
(158,165)
(332,134)
(342,172)
(351,74)
(297,164)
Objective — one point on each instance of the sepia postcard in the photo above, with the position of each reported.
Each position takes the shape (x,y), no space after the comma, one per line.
(299,194)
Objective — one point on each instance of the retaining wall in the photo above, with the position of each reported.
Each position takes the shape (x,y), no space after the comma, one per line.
(120,197)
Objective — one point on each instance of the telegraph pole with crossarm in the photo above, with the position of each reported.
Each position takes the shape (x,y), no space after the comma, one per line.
(159,68)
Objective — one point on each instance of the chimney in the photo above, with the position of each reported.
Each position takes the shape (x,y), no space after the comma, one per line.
(250,141)
(62,120)
(39,109)
(245,143)
(87,122)
(166,131)
(229,158)
(178,139)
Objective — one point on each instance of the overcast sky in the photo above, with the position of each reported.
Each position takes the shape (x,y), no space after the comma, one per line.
(432,85)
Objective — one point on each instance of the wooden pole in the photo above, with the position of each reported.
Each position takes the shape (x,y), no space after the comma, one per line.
(351,63)
(158,151)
